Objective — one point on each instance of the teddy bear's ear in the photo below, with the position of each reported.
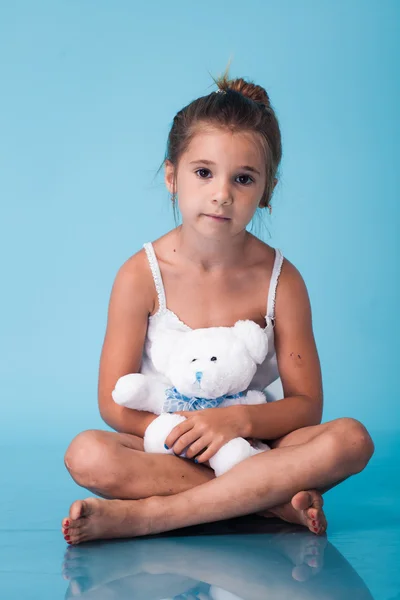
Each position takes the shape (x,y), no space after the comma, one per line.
(162,349)
(254,338)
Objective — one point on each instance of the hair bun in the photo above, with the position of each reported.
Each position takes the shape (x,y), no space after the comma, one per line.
(246,88)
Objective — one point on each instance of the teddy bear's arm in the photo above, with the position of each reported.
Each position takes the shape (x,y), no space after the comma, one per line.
(158,431)
(140,392)
(232,453)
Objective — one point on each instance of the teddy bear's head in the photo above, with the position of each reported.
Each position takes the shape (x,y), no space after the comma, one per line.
(211,362)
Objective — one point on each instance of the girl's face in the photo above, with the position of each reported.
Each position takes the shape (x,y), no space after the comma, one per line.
(222,174)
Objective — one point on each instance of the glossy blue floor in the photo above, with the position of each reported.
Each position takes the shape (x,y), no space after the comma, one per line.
(247,558)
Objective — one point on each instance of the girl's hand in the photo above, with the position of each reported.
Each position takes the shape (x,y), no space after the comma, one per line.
(205,431)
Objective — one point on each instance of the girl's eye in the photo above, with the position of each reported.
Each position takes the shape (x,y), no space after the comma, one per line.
(239,176)
(248,177)
(199,170)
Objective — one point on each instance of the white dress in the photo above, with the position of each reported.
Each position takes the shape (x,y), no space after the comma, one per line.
(266,378)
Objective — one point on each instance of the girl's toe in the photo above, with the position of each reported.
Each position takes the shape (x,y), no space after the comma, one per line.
(76,525)
(76,535)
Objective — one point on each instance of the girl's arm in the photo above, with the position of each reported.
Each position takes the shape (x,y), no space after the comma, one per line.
(131,302)
(298,363)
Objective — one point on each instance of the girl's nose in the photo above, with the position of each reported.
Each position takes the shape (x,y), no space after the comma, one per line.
(223,192)
(223,198)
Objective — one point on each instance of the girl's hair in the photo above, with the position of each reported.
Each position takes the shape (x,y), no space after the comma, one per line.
(238,105)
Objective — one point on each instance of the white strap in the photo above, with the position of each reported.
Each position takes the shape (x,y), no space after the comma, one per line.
(273,283)
(155,269)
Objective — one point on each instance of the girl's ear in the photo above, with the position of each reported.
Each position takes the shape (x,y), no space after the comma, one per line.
(254,338)
(169,176)
(263,203)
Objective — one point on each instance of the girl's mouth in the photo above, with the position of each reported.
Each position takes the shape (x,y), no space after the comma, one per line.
(217,217)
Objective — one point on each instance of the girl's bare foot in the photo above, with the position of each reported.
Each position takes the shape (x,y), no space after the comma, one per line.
(94,519)
(305,509)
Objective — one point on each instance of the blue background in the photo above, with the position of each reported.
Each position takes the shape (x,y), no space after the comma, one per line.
(89,89)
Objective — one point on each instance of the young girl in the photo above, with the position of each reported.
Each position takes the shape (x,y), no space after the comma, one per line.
(222,159)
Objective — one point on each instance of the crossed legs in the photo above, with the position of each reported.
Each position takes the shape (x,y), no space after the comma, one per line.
(149,493)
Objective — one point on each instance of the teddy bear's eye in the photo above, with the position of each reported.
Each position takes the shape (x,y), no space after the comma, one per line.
(213,358)
(194,359)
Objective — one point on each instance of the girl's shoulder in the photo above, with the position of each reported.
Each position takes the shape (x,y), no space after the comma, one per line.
(137,265)
(134,278)
(290,285)
(259,251)
(264,260)
(135,275)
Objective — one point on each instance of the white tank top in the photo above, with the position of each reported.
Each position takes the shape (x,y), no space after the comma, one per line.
(266,378)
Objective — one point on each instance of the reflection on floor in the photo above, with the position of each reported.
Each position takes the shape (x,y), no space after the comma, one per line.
(289,563)
(239,559)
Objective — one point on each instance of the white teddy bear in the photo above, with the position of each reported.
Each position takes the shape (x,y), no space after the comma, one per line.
(211,367)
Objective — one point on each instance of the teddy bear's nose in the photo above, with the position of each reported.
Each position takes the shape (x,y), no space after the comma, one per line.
(199,375)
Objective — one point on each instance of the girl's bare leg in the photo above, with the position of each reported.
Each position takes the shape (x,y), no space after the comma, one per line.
(335,451)
(114,466)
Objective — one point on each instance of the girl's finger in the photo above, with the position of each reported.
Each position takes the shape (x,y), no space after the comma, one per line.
(176,433)
(184,441)
(197,447)
(209,452)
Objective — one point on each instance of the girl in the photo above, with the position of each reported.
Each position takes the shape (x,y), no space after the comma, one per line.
(222,159)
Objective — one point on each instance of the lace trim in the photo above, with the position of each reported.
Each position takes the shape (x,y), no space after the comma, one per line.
(155,270)
(167,311)
(273,284)
(174,316)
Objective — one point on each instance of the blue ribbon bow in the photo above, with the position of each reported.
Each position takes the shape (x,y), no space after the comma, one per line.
(175,401)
